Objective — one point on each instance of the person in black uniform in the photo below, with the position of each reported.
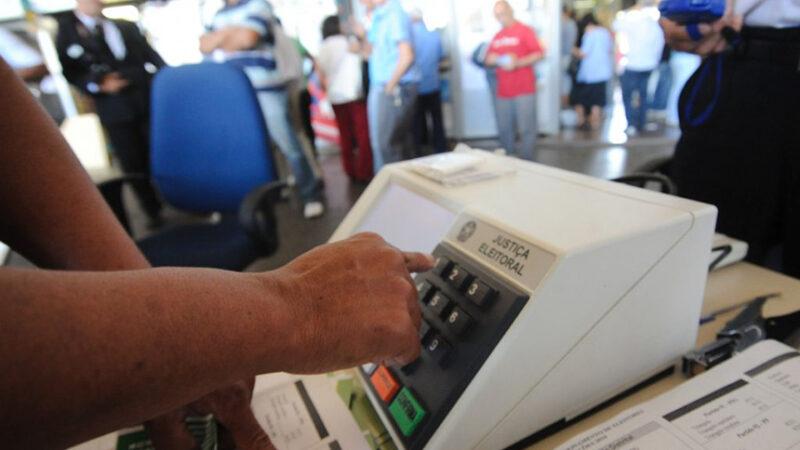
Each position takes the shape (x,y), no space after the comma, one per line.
(739,113)
(112,62)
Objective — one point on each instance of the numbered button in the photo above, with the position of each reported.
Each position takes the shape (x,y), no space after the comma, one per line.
(480,293)
(458,277)
(424,330)
(438,349)
(425,289)
(458,321)
(442,265)
(439,303)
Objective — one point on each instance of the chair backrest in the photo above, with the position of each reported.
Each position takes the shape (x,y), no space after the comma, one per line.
(209,143)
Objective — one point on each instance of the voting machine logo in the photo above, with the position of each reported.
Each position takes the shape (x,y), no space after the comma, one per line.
(467,231)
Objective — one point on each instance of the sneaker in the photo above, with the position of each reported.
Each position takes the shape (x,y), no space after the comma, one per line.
(650,127)
(631,131)
(313,209)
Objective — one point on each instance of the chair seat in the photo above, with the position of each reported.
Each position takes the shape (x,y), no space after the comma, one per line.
(223,245)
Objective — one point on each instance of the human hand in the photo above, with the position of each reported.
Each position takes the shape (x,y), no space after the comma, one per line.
(491,59)
(352,302)
(510,61)
(209,42)
(358,29)
(229,405)
(712,40)
(112,83)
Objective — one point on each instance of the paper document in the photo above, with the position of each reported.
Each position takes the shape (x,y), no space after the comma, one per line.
(319,412)
(749,402)
(460,167)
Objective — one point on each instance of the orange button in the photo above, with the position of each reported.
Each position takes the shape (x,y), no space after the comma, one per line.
(384,383)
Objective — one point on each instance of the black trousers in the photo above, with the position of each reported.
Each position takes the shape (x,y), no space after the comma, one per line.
(131,142)
(430,105)
(745,157)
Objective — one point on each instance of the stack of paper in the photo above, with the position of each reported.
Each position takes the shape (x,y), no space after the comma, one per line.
(459,167)
(751,401)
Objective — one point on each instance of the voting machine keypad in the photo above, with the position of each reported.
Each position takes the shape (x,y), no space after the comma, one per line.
(465,312)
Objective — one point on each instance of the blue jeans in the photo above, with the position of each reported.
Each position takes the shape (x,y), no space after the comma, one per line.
(661,95)
(391,119)
(518,115)
(275,108)
(635,82)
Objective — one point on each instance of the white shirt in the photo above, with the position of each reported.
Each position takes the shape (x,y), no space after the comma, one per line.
(641,38)
(769,13)
(110,32)
(342,70)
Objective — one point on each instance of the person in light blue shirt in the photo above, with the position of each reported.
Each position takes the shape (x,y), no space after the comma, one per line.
(595,69)
(394,79)
(429,55)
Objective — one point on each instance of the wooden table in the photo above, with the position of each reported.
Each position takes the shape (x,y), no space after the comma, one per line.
(727,287)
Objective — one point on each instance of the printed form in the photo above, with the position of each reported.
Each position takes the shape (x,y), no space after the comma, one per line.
(751,401)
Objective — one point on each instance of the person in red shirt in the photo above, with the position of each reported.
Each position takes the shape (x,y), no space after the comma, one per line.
(514,50)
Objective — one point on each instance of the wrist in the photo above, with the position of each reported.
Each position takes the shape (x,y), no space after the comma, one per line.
(283,329)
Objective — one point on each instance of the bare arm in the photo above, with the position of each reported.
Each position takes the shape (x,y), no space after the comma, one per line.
(362,48)
(361,45)
(33,73)
(229,39)
(88,352)
(530,60)
(405,59)
(92,352)
(52,213)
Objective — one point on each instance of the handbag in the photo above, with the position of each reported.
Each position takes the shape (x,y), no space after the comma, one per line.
(574,65)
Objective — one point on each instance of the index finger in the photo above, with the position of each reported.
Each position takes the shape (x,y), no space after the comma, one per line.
(418,262)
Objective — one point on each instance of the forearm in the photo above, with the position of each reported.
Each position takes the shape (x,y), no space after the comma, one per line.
(235,39)
(52,212)
(34,73)
(88,353)
(361,47)
(530,60)
(211,41)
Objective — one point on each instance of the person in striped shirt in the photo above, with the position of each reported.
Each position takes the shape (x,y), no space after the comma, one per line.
(244,33)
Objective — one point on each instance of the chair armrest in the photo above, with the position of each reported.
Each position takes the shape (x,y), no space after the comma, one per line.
(666,185)
(257,215)
(112,192)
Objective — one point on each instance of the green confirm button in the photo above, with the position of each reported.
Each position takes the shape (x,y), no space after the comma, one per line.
(407,412)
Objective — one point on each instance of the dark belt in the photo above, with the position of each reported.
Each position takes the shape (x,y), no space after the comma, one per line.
(779,47)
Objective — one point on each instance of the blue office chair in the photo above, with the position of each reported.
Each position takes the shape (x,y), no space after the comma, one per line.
(209,153)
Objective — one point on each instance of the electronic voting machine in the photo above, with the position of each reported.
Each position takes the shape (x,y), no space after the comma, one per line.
(552,293)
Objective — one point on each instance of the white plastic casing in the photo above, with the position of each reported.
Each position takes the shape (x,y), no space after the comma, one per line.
(615,299)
